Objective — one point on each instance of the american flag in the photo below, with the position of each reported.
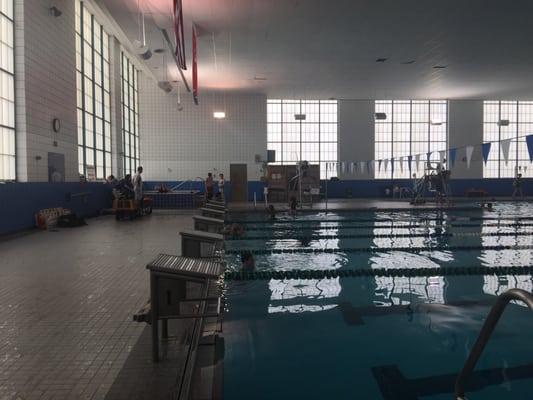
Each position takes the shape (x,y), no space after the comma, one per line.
(178,32)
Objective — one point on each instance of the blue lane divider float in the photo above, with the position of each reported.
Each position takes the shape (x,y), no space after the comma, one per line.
(379,249)
(391,226)
(384,235)
(377,219)
(384,272)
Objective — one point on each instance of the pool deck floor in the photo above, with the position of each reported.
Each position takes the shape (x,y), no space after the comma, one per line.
(67,298)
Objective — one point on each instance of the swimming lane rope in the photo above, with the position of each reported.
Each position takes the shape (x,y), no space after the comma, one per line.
(407,249)
(382,235)
(383,272)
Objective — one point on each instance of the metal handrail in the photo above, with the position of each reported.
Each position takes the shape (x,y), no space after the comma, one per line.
(485,334)
(191,181)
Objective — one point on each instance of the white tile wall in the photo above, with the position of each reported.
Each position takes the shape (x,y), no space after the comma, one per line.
(181,145)
(46,88)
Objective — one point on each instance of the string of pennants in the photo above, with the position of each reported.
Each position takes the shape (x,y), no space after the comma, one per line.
(354,167)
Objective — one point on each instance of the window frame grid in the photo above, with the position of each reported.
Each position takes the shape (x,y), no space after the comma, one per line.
(8,155)
(130,91)
(496,168)
(322,154)
(97,47)
(387,149)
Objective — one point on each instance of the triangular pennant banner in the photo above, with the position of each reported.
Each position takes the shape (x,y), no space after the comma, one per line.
(485,149)
(401,164)
(442,156)
(505,145)
(409,161)
(369,166)
(529,142)
(451,156)
(428,155)
(379,165)
(386,164)
(469,150)
(362,166)
(417,161)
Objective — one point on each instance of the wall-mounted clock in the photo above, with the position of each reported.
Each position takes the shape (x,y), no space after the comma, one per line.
(56,125)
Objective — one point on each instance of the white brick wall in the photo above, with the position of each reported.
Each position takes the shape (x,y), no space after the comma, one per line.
(46,88)
(181,145)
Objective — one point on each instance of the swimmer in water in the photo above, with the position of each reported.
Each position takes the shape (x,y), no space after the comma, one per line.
(247,260)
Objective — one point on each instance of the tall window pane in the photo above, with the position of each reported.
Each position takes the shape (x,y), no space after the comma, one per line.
(94,119)
(410,127)
(130,114)
(313,139)
(507,120)
(7,92)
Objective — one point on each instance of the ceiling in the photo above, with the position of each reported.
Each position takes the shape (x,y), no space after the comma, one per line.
(328,48)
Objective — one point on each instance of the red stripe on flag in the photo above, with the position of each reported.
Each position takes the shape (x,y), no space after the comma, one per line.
(194,66)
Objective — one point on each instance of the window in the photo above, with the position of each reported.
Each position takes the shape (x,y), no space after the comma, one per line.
(411,127)
(130,114)
(7,92)
(93,101)
(313,139)
(519,115)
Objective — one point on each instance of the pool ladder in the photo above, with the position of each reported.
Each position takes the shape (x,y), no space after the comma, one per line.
(485,334)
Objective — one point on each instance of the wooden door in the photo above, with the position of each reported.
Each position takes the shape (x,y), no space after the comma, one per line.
(238,176)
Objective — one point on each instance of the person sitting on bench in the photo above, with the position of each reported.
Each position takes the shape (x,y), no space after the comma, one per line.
(125,188)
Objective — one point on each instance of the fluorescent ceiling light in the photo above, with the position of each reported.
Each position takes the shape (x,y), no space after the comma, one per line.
(219,114)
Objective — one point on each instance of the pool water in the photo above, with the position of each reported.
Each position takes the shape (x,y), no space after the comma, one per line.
(378,337)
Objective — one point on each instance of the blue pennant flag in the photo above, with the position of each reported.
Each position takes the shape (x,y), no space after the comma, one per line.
(409,159)
(392,164)
(485,148)
(452,154)
(529,141)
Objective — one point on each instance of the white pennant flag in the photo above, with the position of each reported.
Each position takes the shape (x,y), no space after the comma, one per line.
(362,166)
(386,164)
(417,161)
(401,164)
(505,145)
(469,150)
(442,154)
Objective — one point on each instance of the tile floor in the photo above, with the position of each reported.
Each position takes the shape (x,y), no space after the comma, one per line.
(66,304)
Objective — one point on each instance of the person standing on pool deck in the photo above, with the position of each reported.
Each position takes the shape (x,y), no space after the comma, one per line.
(138,186)
(209,186)
(221,183)
(517,184)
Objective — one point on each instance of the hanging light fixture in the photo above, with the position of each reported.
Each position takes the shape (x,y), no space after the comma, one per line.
(141,48)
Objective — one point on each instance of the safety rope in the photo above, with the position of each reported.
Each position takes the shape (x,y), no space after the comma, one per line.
(379,249)
(382,235)
(377,219)
(392,226)
(383,272)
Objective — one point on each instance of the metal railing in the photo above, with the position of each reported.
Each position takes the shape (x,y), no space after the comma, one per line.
(189,181)
(485,334)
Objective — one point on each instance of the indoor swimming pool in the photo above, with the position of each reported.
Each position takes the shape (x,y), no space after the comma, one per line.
(384,335)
